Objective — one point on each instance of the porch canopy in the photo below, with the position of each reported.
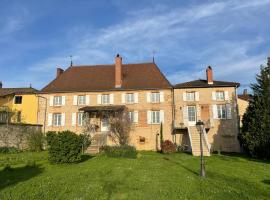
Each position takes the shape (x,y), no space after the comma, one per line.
(115,108)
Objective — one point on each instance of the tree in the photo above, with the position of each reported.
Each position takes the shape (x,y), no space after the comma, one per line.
(120,127)
(161,135)
(255,133)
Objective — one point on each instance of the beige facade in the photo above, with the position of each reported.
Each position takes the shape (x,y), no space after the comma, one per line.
(142,128)
(242,106)
(216,107)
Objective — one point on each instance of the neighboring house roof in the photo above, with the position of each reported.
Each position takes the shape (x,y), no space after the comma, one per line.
(102,78)
(14,91)
(245,97)
(204,84)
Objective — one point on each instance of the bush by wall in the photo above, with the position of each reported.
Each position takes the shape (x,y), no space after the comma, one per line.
(9,150)
(125,151)
(168,147)
(35,140)
(64,147)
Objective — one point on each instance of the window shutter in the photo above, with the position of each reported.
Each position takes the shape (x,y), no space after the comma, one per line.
(162,116)
(214,96)
(99,99)
(148,97)
(50,119)
(214,110)
(161,96)
(184,96)
(226,93)
(51,100)
(75,100)
(73,119)
(198,110)
(87,99)
(229,111)
(63,100)
(197,96)
(63,119)
(136,116)
(185,115)
(149,117)
(111,99)
(123,97)
(136,97)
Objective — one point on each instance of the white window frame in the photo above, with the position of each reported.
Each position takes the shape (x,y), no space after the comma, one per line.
(57,119)
(130,98)
(190,96)
(155,117)
(131,116)
(57,100)
(221,111)
(81,100)
(220,95)
(192,113)
(80,118)
(155,97)
(105,99)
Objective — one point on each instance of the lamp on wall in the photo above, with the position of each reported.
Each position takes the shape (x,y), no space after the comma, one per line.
(200,128)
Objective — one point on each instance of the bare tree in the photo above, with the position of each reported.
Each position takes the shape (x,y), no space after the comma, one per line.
(120,127)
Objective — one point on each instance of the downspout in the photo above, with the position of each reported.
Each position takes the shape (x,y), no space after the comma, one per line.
(173,112)
(45,112)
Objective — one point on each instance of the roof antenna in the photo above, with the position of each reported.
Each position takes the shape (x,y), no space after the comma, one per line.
(153,56)
(71,63)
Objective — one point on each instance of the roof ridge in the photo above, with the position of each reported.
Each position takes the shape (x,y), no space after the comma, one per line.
(106,65)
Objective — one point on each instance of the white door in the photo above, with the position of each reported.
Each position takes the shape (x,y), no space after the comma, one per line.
(192,115)
(105,125)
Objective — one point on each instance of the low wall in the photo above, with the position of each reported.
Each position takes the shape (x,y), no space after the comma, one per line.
(14,135)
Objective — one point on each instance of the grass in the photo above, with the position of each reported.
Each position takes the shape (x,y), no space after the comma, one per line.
(151,176)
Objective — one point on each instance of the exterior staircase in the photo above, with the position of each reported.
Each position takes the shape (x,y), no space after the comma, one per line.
(194,137)
(97,141)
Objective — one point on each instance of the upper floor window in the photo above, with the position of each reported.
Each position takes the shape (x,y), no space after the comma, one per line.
(57,119)
(81,100)
(57,100)
(18,100)
(155,97)
(190,96)
(220,95)
(105,98)
(221,111)
(130,98)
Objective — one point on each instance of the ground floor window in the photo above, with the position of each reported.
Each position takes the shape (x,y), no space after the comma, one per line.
(57,117)
(221,111)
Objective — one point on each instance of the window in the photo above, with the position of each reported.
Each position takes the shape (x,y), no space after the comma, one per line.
(191,113)
(80,119)
(142,139)
(130,98)
(57,100)
(105,99)
(155,116)
(220,95)
(81,100)
(57,117)
(190,96)
(221,111)
(131,116)
(18,99)
(155,97)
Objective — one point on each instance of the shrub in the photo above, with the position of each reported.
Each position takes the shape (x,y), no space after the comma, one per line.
(9,150)
(168,147)
(64,147)
(35,140)
(125,151)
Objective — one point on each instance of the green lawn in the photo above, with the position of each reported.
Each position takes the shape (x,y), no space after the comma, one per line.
(151,176)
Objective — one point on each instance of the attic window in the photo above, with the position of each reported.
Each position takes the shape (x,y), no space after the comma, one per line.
(18,100)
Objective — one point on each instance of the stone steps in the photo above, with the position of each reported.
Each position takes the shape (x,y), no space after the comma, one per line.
(195,142)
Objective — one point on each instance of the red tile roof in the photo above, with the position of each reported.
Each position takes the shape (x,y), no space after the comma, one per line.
(204,84)
(102,78)
(13,91)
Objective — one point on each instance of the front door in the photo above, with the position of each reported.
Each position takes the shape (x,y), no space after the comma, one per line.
(192,115)
(105,125)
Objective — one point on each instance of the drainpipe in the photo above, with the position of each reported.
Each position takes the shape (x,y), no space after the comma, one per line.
(45,112)
(173,112)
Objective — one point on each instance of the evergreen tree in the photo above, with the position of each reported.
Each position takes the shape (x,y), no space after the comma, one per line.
(255,133)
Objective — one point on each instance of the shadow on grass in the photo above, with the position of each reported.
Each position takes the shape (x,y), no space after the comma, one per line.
(244,156)
(13,176)
(86,157)
(266,182)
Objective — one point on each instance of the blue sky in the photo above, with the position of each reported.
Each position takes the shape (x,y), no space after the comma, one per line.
(186,36)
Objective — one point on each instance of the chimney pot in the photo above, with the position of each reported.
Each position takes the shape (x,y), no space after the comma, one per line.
(59,71)
(118,71)
(209,75)
(1,85)
(245,92)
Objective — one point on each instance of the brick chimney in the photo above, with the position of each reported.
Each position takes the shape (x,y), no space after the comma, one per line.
(209,75)
(1,85)
(59,71)
(118,71)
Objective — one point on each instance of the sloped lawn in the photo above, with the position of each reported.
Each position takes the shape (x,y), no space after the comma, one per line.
(151,176)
